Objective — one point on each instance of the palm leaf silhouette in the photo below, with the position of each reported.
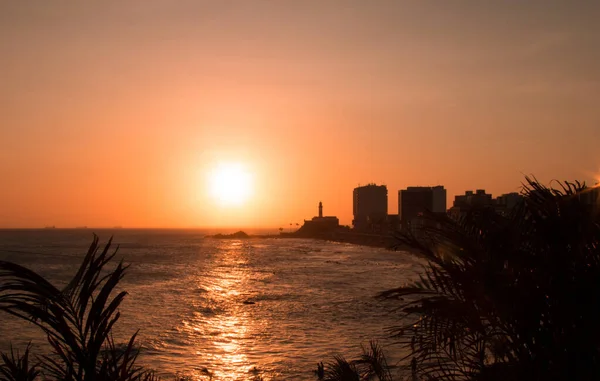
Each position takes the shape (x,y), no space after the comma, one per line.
(16,367)
(506,297)
(77,320)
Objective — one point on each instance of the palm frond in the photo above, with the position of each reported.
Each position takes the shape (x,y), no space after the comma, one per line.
(77,320)
(341,370)
(18,368)
(517,293)
(373,363)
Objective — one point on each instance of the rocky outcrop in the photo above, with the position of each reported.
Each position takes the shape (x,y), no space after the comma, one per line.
(236,235)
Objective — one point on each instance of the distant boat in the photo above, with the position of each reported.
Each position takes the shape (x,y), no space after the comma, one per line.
(50,227)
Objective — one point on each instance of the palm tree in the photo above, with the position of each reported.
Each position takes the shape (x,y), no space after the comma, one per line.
(77,321)
(513,297)
(18,368)
(371,365)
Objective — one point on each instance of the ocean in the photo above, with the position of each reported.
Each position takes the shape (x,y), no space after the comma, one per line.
(306,300)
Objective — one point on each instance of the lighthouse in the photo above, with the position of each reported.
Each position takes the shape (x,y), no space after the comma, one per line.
(318,225)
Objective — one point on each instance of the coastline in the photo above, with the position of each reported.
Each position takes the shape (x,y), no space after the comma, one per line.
(361,239)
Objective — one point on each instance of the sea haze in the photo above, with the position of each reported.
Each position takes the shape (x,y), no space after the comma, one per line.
(239,308)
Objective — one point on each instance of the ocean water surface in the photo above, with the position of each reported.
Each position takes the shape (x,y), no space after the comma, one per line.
(241,309)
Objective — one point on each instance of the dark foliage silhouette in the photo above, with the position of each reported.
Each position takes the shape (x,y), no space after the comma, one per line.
(371,365)
(513,297)
(77,321)
(17,368)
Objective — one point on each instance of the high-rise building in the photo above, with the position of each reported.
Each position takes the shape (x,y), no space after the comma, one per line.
(414,201)
(370,205)
(438,204)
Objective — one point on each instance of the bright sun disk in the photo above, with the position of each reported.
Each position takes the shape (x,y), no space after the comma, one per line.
(230,184)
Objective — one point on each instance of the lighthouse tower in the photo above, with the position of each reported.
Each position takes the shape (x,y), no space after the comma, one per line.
(320,209)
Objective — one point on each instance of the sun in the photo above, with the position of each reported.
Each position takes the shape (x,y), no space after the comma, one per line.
(230,184)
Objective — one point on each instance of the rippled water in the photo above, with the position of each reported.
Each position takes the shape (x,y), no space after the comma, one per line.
(266,307)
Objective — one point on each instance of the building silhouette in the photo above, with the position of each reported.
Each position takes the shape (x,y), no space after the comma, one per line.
(318,225)
(414,201)
(370,206)
(473,199)
(470,200)
(506,202)
(502,204)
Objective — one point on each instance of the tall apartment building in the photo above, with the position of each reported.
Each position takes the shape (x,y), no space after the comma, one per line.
(370,205)
(414,201)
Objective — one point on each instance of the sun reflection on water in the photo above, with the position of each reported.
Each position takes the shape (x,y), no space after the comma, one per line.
(223,318)
(239,311)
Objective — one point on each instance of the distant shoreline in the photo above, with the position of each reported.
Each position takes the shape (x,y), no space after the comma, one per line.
(344,236)
(361,239)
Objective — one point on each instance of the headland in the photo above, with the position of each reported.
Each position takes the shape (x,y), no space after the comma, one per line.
(326,228)
(362,239)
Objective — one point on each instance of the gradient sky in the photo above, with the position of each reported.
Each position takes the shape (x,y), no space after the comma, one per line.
(113,112)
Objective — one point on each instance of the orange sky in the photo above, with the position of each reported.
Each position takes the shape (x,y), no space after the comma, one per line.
(112,113)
